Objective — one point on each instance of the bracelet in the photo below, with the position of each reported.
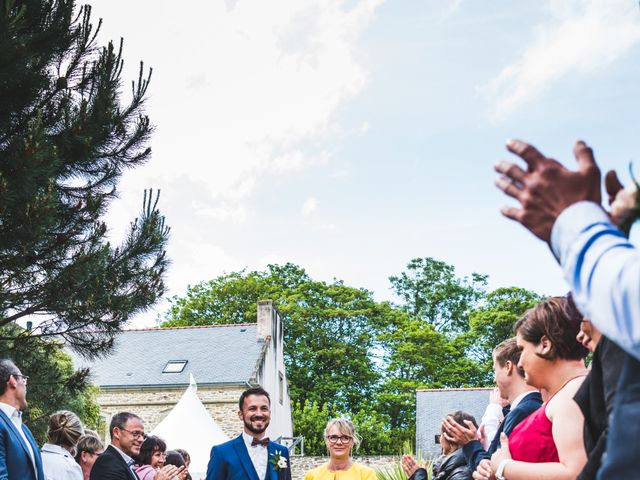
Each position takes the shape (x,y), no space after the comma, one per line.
(501,467)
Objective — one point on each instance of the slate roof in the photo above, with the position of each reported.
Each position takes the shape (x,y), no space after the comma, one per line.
(220,354)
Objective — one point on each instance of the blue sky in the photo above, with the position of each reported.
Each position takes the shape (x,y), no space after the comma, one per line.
(351,136)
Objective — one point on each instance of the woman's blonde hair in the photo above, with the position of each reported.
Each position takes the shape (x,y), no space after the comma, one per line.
(344,426)
(65,429)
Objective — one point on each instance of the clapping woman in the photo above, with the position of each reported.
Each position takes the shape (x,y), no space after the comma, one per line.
(341,438)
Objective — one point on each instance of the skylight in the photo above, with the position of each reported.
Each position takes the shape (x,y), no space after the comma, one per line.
(174,366)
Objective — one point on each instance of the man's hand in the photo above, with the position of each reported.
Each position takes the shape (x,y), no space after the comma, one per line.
(484,472)
(547,187)
(623,201)
(503,453)
(456,433)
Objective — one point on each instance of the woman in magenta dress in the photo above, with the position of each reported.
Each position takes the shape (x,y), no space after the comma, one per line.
(547,445)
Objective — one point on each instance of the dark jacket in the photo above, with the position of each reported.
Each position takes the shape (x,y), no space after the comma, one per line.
(621,459)
(595,399)
(473,451)
(447,467)
(111,466)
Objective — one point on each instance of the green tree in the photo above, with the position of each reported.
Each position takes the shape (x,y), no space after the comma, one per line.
(53,382)
(493,323)
(65,140)
(330,328)
(431,291)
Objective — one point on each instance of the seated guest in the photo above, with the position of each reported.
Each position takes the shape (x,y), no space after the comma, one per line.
(65,429)
(523,400)
(340,437)
(88,449)
(452,464)
(187,460)
(547,445)
(596,394)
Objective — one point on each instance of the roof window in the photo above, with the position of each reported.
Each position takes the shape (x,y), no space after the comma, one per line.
(174,366)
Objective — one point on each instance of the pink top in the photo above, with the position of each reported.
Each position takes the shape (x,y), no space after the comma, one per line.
(532,439)
(145,472)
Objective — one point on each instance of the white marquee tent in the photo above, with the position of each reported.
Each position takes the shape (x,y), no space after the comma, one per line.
(189,426)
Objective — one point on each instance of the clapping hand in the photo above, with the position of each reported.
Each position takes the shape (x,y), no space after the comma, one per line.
(409,465)
(171,472)
(503,453)
(484,471)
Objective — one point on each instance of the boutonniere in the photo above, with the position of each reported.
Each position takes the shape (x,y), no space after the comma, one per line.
(278,461)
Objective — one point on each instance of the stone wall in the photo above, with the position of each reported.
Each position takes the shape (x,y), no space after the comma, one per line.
(301,465)
(153,405)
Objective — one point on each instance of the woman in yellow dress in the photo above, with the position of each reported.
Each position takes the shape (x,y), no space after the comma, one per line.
(341,437)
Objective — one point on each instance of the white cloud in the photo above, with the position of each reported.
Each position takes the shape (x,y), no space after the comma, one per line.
(581,36)
(309,206)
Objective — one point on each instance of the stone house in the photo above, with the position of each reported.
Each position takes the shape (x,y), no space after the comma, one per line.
(148,371)
(432,405)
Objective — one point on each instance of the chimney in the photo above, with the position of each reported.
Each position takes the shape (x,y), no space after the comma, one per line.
(29,325)
(265,319)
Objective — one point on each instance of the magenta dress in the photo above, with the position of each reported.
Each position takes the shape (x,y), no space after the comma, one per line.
(532,439)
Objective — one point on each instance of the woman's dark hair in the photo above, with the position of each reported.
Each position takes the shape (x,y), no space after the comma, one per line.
(557,319)
(151,445)
(175,458)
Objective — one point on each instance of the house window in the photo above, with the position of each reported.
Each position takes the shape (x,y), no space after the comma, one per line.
(281,388)
(174,366)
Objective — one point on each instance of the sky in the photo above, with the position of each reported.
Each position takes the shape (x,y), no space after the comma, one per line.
(351,136)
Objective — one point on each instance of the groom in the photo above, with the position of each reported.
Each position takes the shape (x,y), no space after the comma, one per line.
(251,455)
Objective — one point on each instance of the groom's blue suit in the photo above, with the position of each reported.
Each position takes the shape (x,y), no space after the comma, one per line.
(231,461)
(15,461)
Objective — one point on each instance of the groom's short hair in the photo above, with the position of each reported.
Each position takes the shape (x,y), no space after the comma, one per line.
(253,391)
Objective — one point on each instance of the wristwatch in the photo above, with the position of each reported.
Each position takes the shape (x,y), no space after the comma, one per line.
(501,467)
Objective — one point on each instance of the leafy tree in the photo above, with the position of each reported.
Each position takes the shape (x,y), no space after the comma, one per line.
(65,140)
(330,328)
(431,292)
(53,382)
(493,323)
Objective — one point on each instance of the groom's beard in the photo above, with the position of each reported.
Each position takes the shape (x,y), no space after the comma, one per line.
(253,418)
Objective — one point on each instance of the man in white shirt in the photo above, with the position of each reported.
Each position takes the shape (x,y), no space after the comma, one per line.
(19,454)
(251,455)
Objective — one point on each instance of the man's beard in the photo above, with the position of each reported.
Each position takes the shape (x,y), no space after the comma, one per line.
(251,428)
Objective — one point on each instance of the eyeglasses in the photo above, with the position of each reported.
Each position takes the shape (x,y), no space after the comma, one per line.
(342,438)
(24,378)
(136,434)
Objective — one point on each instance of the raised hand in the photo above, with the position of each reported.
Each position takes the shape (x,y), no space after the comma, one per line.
(503,453)
(456,433)
(546,188)
(409,465)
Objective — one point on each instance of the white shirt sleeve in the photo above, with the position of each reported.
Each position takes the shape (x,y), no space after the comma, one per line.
(603,270)
(491,420)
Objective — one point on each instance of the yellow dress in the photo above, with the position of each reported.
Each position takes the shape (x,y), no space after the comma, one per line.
(355,472)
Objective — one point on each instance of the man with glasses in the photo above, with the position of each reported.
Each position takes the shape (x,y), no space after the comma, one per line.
(251,455)
(19,453)
(116,462)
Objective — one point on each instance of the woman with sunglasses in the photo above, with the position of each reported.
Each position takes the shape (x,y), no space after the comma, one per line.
(340,437)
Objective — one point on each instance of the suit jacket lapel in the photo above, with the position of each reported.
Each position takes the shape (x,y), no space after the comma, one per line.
(17,437)
(272,448)
(116,453)
(245,459)
(34,446)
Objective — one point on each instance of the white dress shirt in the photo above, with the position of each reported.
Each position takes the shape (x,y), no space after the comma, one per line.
(603,269)
(258,454)
(58,464)
(16,418)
